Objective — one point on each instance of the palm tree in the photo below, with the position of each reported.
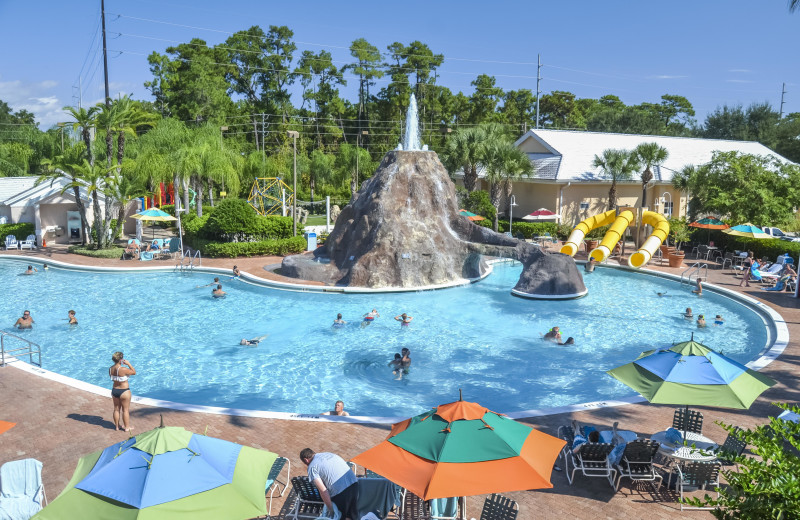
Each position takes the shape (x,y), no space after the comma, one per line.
(320,169)
(794,5)
(649,154)
(503,162)
(463,150)
(617,165)
(85,120)
(683,181)
(68,166)
(130,117)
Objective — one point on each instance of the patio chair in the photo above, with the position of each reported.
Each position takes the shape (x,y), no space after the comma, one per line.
(568,434)
(444,509)
(273,482)
(21,489)
(368,473)
(637,462)
(498,507)
(413,507)
(697,475)
(308,503)
(592,460)
(28,243)
(174,247)
(731,448)
(693,422)
(11,242)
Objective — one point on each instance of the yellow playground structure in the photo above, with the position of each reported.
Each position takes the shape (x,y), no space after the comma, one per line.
(620,219)
(270,196)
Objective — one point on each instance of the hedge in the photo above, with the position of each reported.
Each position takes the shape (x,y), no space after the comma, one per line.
(111,252)
(236,220)
(21,230)
(266,247)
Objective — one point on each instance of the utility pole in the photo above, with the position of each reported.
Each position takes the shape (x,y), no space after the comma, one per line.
(263,136)
(783,94)
(294,135)
(538,79)
(105,52)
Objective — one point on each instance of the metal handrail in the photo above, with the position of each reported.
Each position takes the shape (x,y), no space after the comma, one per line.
(694,270)
(198,257)
(28,349)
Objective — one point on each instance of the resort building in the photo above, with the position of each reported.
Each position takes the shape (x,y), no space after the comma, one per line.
(566,182)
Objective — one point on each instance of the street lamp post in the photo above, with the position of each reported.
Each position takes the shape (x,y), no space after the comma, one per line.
(511,212)
(664,202)
(294,135)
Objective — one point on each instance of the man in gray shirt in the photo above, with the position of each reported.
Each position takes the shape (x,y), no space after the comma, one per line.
(334,480)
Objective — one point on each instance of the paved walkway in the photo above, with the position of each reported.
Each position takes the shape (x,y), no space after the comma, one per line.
(58,424)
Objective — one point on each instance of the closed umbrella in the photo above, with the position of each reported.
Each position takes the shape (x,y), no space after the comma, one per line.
(542,214)
(463,449)
(166,473)
(690,373)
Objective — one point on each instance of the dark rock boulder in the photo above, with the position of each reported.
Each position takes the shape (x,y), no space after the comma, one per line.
(403,230)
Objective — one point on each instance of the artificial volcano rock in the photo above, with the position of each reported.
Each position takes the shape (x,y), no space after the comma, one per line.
(403,230)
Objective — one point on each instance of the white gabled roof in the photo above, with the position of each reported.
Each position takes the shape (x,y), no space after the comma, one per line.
(11,186)
(567,155)
(35,194)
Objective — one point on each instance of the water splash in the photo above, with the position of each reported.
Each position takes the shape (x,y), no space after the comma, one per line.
(411,135)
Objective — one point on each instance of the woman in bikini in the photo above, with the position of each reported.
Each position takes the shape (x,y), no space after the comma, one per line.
(121,391)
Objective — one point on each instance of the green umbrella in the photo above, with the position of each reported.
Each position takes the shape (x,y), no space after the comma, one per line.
(690,373)
(154,215)
(166,473)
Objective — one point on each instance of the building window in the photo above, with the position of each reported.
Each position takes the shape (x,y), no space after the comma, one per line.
(584,206)
(668,208)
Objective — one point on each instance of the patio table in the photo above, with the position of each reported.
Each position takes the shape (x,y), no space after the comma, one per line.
(699,447)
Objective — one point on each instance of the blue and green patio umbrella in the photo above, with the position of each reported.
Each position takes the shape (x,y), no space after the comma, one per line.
(166,473)
(154,215)
(746,230)
(690,373)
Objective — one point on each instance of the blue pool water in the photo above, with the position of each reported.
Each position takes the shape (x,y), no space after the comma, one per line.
(479,338)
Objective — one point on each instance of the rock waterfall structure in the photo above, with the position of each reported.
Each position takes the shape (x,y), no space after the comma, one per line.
(402,230)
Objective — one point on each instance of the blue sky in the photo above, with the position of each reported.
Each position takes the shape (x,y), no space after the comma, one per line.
(713,52)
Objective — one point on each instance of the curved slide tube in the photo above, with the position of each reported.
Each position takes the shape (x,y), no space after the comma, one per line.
(570,247)
(660,232)
(613,235)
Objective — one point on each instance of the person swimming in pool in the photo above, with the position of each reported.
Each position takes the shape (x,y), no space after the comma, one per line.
(404,319)
(405,360)
(338,323)
(701,322)
(699,287)
(590,265)
(253,342)
(688,314)
(553,335)
(25,322)
(72,320)
(31,270)
(236,272)
(218,292)
(45,267)
(718,320)
(370,317)
(215,282)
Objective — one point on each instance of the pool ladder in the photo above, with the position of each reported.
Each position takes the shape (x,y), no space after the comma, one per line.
(29,349)
(694,271)
(192,258)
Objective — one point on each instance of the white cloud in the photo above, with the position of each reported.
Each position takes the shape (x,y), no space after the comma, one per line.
(36,98)
(666,76)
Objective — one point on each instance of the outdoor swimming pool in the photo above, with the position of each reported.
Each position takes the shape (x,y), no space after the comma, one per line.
(479,338)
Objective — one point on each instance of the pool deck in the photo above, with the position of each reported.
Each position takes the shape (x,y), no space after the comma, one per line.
(57,424)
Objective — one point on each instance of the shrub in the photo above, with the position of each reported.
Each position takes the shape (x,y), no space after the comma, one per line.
(266,247)
(111,252)
(21,230)
(193,226)
(764,486)
(478,202)
(529,229)
(235,220)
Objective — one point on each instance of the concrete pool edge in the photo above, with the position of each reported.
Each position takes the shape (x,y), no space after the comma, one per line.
(771,351)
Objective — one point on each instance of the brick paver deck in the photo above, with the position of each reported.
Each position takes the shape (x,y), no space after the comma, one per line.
(57,424)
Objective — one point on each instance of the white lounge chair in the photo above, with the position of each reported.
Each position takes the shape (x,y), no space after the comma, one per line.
(28,243)
(11,242)
(21,489)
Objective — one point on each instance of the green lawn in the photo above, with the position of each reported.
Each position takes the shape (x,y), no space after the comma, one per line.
(315,220)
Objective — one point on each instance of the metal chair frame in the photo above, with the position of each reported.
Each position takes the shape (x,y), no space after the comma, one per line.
(274,473)
(698,474)
(731,448)
(692,423)
(308,503)
(637,462)
(592,459)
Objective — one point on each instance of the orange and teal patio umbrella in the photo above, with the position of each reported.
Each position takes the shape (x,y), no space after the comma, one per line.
(166,473)
(709,223)
(463,449)
(470,215)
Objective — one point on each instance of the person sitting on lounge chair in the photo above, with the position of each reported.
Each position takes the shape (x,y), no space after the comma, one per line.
(132,250)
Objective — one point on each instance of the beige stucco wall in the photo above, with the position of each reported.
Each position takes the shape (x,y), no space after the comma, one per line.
(56,215)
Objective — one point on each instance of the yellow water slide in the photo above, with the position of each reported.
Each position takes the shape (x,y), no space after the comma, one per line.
(623,220)
(570,247)
(660,232)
